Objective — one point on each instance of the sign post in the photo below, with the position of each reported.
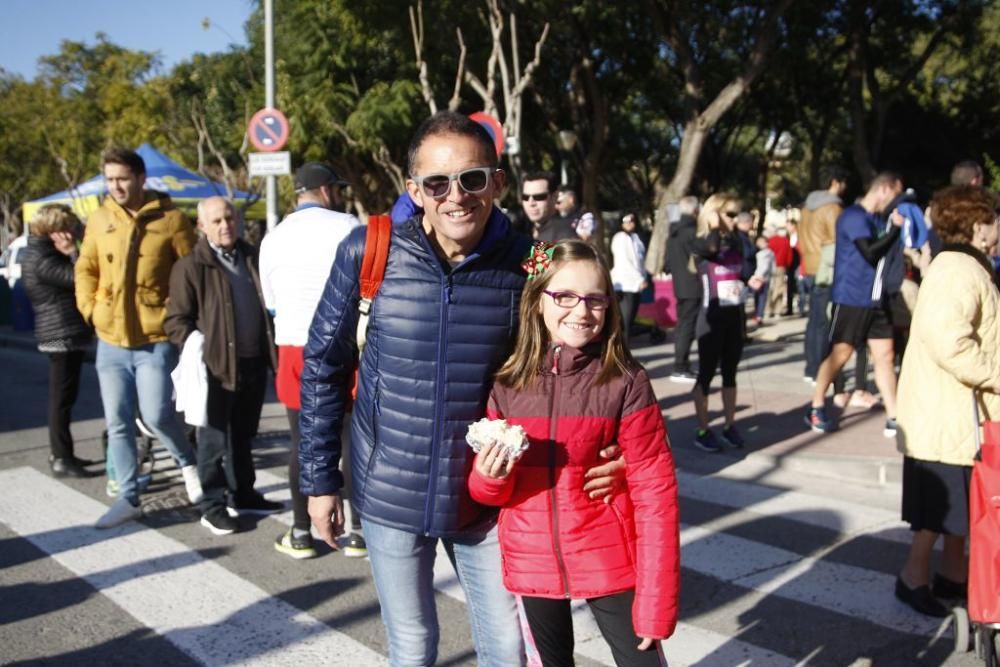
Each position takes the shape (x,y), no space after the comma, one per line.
(272,184)
(278,163)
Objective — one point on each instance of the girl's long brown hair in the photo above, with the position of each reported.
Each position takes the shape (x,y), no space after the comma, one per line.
(528,358)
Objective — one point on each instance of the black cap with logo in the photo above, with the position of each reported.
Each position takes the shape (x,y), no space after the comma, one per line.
(313,175)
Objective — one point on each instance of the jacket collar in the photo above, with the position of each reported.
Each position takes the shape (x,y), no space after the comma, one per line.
(204,254)
(565,360)
(498,229)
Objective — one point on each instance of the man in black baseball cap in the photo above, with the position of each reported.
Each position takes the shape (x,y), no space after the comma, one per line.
(321,182)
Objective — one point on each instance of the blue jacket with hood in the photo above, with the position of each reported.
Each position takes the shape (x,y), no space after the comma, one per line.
(436,336)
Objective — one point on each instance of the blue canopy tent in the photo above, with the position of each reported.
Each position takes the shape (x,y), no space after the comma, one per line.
(186,189)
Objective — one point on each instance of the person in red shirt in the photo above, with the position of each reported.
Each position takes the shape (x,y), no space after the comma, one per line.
(783,256)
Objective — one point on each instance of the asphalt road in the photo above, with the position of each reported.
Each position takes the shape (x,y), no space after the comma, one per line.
(779,568)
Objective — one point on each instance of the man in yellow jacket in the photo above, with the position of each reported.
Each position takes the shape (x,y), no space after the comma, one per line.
(122,282)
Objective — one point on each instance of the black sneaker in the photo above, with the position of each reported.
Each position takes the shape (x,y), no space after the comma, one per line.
(732,437)
(219,522)
(683,377)
(817,420)
(69,468)
(296,547)
(705,440)
(355,547)
(256,504)
(920,600)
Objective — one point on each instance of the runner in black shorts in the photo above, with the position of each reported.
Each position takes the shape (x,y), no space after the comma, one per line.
(856,325)
(863,240)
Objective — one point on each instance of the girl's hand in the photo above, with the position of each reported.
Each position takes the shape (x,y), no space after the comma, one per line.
(491,462)
(646,643)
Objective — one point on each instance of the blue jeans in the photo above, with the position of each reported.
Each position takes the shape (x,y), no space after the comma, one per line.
(127,376)
(804,287)
(817,343)
(403,569)
(760,300)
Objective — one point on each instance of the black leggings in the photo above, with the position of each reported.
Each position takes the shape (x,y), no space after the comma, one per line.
(629,302)
(721,346)
(551,625)
(64,385)
(300,503)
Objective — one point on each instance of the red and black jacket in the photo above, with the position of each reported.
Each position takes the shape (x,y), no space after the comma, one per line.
(556,541)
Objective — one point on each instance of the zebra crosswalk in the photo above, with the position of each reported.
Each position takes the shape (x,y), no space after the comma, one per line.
(771,576)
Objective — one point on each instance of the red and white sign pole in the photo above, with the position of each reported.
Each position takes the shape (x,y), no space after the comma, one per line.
(272,183)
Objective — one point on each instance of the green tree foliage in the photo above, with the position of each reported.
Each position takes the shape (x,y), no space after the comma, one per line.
(908,84)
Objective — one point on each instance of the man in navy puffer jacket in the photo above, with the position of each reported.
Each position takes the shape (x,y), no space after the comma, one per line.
(443,321)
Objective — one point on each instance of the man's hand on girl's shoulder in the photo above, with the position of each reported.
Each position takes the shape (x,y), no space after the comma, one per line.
(604,479)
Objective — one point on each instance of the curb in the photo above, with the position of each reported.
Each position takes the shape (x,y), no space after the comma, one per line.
(855,469)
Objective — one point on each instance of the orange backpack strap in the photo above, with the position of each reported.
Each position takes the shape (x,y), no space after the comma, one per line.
(372,269)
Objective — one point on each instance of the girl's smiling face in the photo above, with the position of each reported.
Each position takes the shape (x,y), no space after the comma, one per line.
(582,323)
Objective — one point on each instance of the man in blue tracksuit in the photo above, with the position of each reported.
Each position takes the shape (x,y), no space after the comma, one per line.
(443,321)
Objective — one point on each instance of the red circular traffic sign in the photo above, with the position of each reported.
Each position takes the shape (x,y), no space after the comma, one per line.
(492,127)
(268,130)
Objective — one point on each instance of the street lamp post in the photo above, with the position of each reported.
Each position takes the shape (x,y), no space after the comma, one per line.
(566,140)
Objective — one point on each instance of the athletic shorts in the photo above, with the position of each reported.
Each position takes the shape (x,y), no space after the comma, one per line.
(855,325)
(288,379)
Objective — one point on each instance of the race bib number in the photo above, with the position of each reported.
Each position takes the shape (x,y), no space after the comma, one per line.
(730,292)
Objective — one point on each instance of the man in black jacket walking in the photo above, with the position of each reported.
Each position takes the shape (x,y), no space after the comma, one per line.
(687,287)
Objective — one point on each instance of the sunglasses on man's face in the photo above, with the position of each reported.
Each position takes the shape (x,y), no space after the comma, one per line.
(538,196)
(731,214)
(472,181)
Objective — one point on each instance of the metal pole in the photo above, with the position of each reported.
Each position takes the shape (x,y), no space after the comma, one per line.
(272,183)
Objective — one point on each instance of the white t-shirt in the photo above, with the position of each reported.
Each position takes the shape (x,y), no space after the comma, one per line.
(295,261)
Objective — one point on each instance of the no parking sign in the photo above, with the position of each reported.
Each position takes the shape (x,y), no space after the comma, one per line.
(268,130)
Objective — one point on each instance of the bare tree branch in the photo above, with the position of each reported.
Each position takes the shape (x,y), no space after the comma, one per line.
(459,74)
(380,155)
(417,30)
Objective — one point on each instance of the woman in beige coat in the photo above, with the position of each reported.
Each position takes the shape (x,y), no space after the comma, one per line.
(953,355)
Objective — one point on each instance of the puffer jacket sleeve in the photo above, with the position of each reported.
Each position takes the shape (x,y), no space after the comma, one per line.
(486,490)
(949,328)
(328,362)
(652,488)
(54,268)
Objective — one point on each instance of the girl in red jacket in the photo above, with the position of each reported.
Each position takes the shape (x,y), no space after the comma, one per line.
(574,388)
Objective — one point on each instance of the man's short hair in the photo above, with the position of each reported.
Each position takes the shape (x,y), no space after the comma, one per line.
(966,172)
(450,122)
(688,205)
(885,178)
(229,203)
(53,218)
(831,173)
(546,176)
(566,190)
(126,157)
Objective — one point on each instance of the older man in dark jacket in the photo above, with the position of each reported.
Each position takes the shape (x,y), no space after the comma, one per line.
(216,290)
(441,324)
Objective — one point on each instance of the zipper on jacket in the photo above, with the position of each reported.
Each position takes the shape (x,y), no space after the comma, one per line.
(438,402)
(553,427)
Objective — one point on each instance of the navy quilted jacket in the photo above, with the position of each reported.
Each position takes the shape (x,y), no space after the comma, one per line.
(436,336)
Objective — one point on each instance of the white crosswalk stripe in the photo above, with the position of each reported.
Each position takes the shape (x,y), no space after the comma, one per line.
(181,596)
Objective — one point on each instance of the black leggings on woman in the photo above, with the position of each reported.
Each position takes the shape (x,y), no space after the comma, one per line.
(721,345)
(551,625)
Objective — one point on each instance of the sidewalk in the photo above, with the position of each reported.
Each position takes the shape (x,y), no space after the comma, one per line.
(771,404)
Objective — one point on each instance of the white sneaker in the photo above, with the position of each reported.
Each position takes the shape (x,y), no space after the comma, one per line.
(121,512)
(192,484)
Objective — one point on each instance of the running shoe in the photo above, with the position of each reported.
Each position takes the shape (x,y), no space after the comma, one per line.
(817,420)
(705,440)
(732,437)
